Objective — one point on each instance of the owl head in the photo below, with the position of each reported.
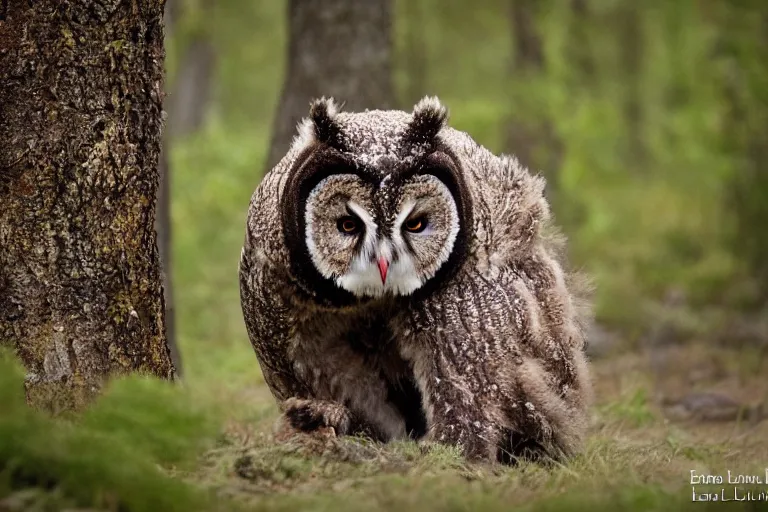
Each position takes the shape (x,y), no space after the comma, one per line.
(376,204)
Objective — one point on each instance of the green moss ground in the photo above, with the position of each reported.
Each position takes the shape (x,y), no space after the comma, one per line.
(147,445)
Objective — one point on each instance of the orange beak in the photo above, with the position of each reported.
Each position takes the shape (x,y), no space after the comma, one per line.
(383,267)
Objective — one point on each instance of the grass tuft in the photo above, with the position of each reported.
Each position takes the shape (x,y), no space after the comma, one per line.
(110,457)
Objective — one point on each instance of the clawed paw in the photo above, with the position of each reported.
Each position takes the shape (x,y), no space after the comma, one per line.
(313,415)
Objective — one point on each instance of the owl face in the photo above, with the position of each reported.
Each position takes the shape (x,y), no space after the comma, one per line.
(375,239)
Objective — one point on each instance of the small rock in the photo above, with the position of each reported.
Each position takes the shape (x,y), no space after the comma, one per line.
(709,406)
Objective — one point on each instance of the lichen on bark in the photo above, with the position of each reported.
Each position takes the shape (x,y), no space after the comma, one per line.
(80,128)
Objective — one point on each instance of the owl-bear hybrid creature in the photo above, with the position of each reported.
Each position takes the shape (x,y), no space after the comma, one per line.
(399,280)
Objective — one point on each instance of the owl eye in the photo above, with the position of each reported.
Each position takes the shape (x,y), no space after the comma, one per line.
(416,225)
(349,225)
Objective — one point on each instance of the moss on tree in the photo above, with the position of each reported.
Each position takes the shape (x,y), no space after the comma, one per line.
(80,290)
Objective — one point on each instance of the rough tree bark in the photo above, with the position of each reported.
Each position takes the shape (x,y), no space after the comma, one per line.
(80,126)
(338,48)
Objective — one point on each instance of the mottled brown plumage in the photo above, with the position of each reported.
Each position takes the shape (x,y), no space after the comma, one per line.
(398,279)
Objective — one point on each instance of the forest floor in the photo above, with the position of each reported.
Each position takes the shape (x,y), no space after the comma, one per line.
(209,445)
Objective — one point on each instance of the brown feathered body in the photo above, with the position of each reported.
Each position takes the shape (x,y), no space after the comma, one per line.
(486,352)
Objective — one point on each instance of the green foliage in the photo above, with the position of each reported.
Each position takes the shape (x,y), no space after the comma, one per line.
(632,408)
(210,199)
(744,81)
(109,457)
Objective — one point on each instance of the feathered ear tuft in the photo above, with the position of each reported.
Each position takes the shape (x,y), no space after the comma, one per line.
(429,117)
(322,113)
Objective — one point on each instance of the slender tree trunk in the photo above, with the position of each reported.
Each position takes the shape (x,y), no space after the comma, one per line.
(163,219)
(580,49)
(744,46)
(415,53)
(337,48)
(164,230)
(191,92)
(531,137)
(80,130)
(631,37)
(187,105)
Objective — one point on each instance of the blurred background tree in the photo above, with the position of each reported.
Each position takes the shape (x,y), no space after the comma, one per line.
(336,48)
(743,50)
(649,121)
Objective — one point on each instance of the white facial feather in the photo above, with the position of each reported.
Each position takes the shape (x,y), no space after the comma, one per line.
(321,265)
(370,225)
(363,277)
(403,278)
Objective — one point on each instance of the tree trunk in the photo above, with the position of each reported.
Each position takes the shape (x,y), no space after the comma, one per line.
(81,297)
(631,37)
(744,49)
(579,48)
(163,228)
(337,48)
(163,219)
(531,137)
(190,97)
(415,54)
(190,93)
